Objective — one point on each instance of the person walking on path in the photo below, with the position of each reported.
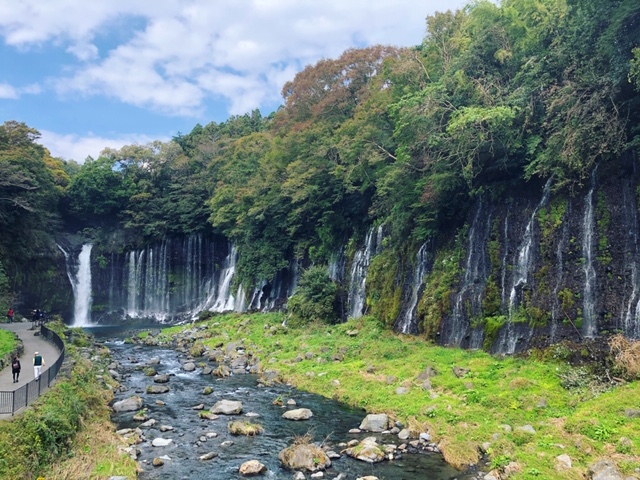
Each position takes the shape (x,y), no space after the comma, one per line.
(15,369)
(38,363)
(10,315)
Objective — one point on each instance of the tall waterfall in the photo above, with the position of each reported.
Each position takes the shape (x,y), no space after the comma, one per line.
(359,270)
(588,295)
(79,274)
(407,322)
(468,301)
(524,259)
(508,337)
(630,321)
(225,301)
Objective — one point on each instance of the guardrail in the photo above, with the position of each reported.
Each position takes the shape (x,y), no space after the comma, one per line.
(12,401)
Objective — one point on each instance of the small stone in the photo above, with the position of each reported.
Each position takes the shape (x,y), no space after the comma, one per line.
(317,475)
(207,390)
(402,391)
(158,462)
(198,407)
(291,401)
(563,462)
(425,436)
(161,442)
(226,443)
(160,403)
(189,367)
(208,456)
(404,434)
(166,428)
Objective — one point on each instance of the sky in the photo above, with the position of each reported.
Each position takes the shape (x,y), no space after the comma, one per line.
(107,73)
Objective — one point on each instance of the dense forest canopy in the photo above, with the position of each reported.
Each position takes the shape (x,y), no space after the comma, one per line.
(494,96)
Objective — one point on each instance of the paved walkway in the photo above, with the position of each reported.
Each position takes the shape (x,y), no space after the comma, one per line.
(32,344)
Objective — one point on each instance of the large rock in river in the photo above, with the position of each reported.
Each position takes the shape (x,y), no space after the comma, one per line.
(298,414)
(130,404)
(305,457)
(368,450)
(375,422)
(252,467)
(227,407)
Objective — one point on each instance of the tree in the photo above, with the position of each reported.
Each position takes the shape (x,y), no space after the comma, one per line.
(314,299)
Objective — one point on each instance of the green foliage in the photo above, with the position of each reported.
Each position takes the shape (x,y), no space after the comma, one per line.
(315,297)
(492,329)
(384,294)
(436,299)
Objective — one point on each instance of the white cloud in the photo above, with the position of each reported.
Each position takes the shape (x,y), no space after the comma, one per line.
(185,51)
(8,92)
(78,148)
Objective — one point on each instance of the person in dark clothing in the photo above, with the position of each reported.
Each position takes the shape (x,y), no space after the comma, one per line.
(15,369)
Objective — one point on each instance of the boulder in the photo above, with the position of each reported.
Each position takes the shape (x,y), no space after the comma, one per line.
(157,389)
(375,422)
(227,407)
(305,456)
(605,470)
(298,414)
(368,450)
(252,467)
(189,367)
(128,405)
(161,378)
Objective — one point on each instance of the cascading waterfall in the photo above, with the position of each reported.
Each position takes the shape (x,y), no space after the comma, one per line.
(556,310)
(359,270)
(630,321)
(225,301)
(524,259)
(468,300)
(407,322)
(337,266)
(508,340)
(80,277)
(588,295)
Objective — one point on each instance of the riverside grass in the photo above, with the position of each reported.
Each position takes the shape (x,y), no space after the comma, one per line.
(490,404)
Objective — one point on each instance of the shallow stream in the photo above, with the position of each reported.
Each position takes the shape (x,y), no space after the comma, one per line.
(330,424)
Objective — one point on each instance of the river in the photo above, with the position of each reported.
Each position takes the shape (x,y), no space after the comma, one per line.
(330,424)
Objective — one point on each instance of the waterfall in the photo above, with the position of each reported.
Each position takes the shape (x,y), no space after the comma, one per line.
(225,301)
(630,321)
(524,260)
(80,277)
(556,314)
(468,301)
(359,269)
(588,231)
(508,338)
(407,322)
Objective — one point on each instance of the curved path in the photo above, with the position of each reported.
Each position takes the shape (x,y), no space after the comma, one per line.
(32,343)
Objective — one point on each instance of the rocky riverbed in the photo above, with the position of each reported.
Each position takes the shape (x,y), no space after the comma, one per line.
(207,416)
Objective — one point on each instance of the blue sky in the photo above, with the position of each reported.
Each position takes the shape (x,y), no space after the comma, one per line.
(107,73)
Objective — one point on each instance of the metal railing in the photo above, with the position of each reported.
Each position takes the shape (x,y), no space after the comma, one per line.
(12,401)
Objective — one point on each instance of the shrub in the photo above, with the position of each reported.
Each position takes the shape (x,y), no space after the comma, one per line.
(314,299)
(626,354)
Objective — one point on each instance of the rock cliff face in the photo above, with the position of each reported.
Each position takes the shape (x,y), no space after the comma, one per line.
(533,266)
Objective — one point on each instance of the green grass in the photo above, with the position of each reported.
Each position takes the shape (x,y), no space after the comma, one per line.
(7,342)
(462,413)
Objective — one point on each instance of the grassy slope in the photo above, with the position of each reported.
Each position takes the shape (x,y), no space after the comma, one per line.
(7,342)
(462,413)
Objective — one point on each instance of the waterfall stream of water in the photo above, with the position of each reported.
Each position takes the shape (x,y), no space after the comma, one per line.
(79,274)
(408,322)
(359,271)
(588,233)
